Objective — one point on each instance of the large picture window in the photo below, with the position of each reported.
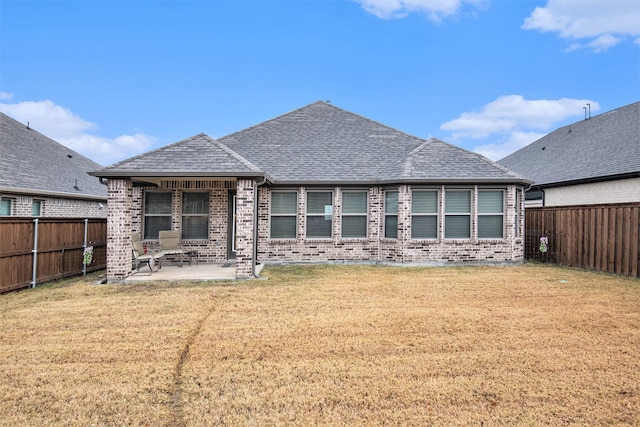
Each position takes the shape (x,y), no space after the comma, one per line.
(391,214)
(319,214)
(354,214)
(424,214)
(457,218)
(490,214)
(284,214)
(157,213)
(195,215)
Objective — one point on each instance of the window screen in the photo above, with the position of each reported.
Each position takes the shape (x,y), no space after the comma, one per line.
(284,209)
(457,220)
(157,213)
(319,214)
(424,214)
(354,214)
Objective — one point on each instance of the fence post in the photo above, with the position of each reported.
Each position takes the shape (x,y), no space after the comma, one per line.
(84,246)
(35,253)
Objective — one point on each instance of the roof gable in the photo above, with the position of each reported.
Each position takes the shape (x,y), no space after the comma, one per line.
(34,163)
(197,155)
(317,144)
(605,145)
(321,143)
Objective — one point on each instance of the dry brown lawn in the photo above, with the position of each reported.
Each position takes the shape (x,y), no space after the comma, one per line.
(327,345)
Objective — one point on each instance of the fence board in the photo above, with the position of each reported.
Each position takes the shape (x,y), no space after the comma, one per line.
(603,238)
(60,249)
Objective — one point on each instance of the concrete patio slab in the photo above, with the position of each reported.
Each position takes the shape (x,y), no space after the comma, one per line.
(199,271)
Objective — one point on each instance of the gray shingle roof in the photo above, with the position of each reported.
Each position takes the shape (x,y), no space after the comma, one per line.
(321,143)
(33,163)
(198,155)
(318,144)
(605,145)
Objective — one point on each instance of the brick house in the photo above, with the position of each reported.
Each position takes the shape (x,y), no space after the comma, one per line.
(41,177)
(595,161)
(316,184)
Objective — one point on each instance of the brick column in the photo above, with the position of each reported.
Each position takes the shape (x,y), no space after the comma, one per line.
(244,228)
(119,195)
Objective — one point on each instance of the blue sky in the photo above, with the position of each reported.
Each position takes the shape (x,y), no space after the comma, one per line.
(112,79)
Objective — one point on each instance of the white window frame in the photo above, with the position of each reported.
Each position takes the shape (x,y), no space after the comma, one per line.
(12,203)
(458,214)
(390,214)
(40,203)
(435,214)
(325,214)
(364,214)
(283,215)
(491,214)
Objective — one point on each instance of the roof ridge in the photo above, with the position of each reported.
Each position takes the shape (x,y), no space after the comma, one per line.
(246,162)
(482,158)
(407,161)
(270,120)
(28,127)
(164,147)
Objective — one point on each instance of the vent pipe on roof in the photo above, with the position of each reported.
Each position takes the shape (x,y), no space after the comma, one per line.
(585,112)
(28,126)
(589,105)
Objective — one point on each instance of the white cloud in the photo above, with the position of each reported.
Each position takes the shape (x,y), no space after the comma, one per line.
(600,24)
(511,122)
(436,10)
(5,96)
(69,129)
(514,142)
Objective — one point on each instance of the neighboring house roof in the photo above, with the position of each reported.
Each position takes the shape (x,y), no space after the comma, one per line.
(322,144)
(604,147)
(31,163)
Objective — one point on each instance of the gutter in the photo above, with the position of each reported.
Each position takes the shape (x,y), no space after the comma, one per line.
(62,194)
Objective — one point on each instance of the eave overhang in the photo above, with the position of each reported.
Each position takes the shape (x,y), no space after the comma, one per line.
(57,194)
(450,181)
(157,176)
(588,180)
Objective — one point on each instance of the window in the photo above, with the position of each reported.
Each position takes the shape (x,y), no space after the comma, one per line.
(284,214)
(6,206)
(391,214)
(319,214)
(424,214)
(36,207)
(157,213)
(457,217)
(354,214)
(490,214)
(195,215)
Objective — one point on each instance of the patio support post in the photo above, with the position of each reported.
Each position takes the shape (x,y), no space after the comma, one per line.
(119,193)
(245,217)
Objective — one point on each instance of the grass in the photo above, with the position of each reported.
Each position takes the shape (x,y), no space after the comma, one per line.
(327,345)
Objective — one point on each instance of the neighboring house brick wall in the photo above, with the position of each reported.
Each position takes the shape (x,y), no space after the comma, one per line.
(597,193)
(57,207)
(403,249)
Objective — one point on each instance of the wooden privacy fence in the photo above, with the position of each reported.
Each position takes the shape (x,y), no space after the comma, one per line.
(602,238)
(36,250)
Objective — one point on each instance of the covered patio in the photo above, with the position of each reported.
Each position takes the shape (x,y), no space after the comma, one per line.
(194,271)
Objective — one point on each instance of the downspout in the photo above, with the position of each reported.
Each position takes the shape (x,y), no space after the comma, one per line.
(255,226)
